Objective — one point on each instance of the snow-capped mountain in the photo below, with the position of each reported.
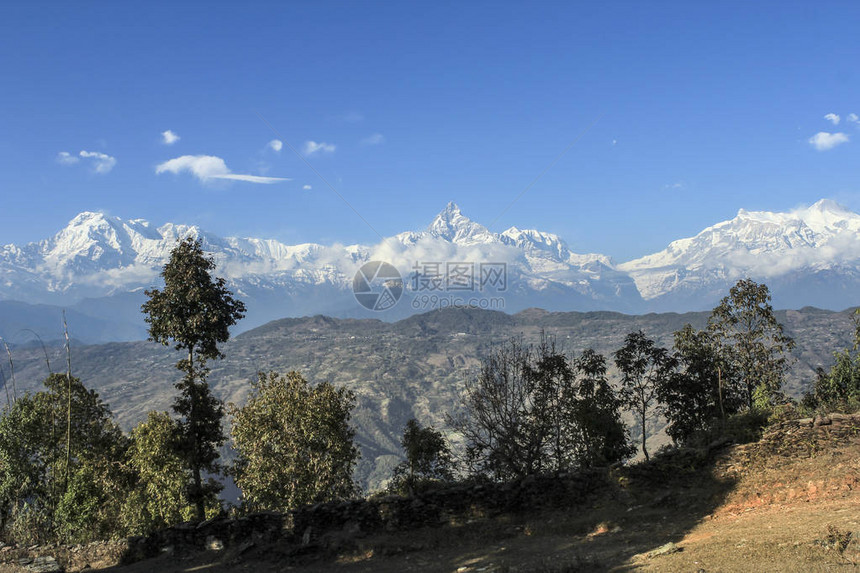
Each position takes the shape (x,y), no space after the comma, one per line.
(99,265)
(99,259)
(541,268)
(818,246)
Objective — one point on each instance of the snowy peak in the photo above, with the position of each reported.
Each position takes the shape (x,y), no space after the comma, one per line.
(820,216)
(759,232)
(450,224)
(531,240)
(762,244)
(827,207)
(95,239)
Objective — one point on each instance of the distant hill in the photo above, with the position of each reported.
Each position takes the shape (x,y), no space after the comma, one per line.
(413,367)
(19,321)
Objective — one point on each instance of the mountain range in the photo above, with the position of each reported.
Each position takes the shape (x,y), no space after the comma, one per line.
(98,266)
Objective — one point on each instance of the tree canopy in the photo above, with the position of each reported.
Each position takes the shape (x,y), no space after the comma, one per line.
(294,443)
(531,410)
(428,458)
(751,342)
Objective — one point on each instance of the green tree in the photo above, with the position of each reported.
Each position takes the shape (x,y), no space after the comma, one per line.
(158,498)
(428,458)
(751,342)
(293,443)
(694,399)
(644,367)
(840,387)
(601,435)
(33,465)
(195,312)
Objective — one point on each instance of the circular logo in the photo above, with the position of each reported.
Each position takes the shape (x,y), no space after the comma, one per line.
(377,285)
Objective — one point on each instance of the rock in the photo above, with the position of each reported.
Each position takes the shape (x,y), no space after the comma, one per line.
(822,421)
(213,543)
(804,421)
(306,537)
(663,550)
(46,564)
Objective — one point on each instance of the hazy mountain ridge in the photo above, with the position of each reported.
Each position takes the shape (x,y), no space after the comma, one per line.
(807,256)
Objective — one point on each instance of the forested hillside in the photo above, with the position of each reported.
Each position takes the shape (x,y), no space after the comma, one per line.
(414,367)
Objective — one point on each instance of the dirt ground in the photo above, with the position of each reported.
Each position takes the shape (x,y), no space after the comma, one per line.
(749,510)
(780,537)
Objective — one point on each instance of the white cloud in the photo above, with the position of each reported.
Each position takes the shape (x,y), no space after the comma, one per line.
(209,167)
(832,118)
(353,117)
(678,185)
(312,147)
(102,163)
(374,139)
(306,187)
(169,138)
(822,141)
(67,158)
(276,144)
(853,118)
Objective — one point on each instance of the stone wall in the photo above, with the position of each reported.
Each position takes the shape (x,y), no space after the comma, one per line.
(331,523)
(444,505)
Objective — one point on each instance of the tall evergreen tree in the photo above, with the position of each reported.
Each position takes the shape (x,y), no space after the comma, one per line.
(194,312)
(751,341)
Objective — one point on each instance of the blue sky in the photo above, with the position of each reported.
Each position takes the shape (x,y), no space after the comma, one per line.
(678,115)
